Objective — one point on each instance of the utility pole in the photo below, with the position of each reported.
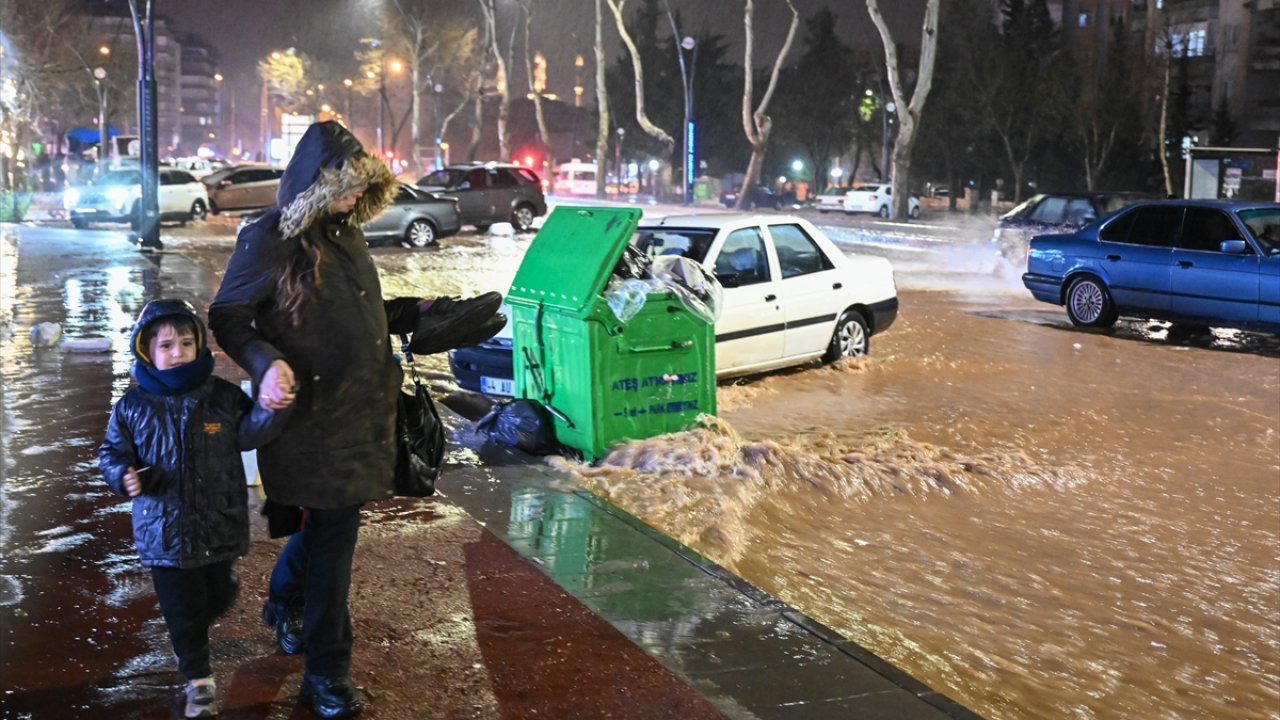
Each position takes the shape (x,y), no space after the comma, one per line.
(148,221)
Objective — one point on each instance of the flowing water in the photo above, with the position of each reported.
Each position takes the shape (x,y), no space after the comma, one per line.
(1037,521)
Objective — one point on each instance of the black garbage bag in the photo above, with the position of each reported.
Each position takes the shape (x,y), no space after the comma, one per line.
(523,424)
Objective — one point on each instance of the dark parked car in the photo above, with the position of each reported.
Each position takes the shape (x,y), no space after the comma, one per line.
(244,187)
(761,197)
(1054,212)
(490,193)
(1198,262)
(415,219)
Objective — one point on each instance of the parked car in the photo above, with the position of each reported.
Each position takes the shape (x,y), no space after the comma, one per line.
(761,197)
(415,219)
(244,187)
(1199,262)
(877,199)
(198,167)
(790,296)
(116,196)
(490,193)
(830,200)
(1054,212)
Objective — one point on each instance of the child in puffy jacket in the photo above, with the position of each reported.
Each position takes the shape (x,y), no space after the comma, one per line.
(173,445)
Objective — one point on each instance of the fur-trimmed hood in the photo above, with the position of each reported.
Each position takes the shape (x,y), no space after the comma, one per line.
(329,163)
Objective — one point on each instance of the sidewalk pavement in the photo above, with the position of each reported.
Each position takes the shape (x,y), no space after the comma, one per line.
(511,594)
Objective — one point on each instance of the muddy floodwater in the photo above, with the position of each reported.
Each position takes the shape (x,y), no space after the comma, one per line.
(1038,521)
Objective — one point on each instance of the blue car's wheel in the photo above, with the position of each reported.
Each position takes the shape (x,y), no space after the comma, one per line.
(1089,303)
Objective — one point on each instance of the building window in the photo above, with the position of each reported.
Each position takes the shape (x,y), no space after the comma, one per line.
(1195,43)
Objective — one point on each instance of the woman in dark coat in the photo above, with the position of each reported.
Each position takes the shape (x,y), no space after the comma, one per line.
(301,310)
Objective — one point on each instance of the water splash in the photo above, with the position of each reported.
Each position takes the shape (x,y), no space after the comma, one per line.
(701,485)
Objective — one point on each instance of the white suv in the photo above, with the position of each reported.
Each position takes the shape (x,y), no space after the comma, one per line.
(115,197)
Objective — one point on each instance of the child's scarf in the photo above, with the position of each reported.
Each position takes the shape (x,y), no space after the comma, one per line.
(174,381)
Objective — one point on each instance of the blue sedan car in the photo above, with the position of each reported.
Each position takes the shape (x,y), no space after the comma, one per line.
(1203,262)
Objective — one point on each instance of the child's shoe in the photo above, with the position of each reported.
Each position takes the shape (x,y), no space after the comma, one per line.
(201,700)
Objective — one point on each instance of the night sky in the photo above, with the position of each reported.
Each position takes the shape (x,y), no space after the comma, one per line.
(247,30)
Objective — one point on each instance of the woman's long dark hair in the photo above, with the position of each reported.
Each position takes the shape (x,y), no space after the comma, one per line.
(300,277)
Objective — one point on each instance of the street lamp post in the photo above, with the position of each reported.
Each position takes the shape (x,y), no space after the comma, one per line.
(148,225)
(382,101)
(617,159)
(688,43)
(99,76)
(346,112)
(436,90)
(884,140)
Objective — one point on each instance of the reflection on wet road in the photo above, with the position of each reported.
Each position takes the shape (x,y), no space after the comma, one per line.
(1035,520)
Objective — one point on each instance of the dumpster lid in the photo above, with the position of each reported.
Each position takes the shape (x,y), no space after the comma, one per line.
(573,255)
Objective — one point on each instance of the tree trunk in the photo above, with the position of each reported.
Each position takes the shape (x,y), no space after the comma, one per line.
(756,125)
(1164,124)
(544,137)
(477,125)
(415,106)
(504,96)
(602,99)
(657,133)
(908,112)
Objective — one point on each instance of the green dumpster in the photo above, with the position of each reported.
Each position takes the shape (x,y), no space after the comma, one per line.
(602,379)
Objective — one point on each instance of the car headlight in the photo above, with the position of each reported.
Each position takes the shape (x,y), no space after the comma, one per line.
(70,198)
(118,195)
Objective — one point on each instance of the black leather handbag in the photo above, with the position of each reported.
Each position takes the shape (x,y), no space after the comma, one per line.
(419,437)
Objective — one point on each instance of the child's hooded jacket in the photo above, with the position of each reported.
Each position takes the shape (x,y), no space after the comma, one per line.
(188,427)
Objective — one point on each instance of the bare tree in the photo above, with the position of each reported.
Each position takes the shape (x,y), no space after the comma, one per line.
(657,133)
(432,35)
(490,10)
(544,137)
(41,80)
(756,124)
(602,99)
(908,110)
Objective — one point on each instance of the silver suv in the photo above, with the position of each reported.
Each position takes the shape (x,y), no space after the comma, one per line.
(490,193)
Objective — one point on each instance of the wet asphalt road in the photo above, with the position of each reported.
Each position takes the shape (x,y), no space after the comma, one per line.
(946,374)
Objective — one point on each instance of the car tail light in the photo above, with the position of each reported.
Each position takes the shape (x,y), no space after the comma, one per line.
(223,183)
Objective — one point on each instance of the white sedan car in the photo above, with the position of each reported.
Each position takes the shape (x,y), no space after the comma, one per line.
(115,197)
(790,296)
(830,200)
(876,199)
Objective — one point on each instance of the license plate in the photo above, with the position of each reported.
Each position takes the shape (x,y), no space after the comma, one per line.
(497,386)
